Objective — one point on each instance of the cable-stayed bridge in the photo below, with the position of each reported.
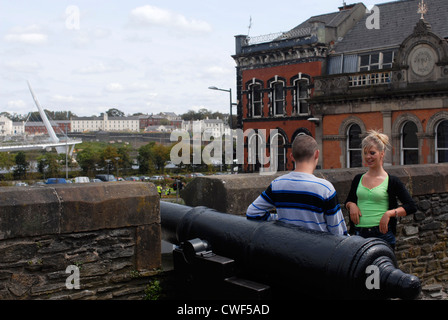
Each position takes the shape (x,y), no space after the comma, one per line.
(42,143)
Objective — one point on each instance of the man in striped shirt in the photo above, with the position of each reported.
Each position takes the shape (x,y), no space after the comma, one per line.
(299,197)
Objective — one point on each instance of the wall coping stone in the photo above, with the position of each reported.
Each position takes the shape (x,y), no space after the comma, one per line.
(67,208)
(234,193)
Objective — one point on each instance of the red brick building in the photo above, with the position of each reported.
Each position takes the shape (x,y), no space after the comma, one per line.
(38,127)
(275,78)
(338,76)
(396,82)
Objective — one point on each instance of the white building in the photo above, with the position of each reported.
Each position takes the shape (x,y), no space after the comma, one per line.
(214,127)
(5,126)
(105,123)
(8,127)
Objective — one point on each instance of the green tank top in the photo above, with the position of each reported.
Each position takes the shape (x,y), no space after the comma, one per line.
(372,203)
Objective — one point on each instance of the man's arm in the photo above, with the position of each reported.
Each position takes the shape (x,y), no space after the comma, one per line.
(261,208)
(334,217)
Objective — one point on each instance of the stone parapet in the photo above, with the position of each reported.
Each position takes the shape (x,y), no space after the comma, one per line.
(234,193)
(421,238)
(109,232)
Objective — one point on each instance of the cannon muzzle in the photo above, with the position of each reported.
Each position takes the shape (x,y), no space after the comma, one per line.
(290,260)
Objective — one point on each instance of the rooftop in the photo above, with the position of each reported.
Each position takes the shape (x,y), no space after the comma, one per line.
(397,20)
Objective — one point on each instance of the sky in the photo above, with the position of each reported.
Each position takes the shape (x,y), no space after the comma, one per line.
(137,56)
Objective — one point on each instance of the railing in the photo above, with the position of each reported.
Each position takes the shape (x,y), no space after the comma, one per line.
(279,36)
(370,79)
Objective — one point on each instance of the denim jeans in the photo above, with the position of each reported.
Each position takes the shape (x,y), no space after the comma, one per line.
(374,232)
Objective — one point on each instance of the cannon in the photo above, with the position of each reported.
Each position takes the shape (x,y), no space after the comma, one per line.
(279,260)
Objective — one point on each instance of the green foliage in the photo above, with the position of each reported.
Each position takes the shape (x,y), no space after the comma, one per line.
(92,156)
(153,290)
(153,156)
(21,166)
(49,164)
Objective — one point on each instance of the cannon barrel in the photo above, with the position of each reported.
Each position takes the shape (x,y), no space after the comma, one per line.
(297,261)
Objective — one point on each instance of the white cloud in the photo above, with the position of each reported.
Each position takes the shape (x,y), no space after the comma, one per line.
(62,98)
(16,104)
(86,37)
(116,65)
(29,35)
(22,66)
(149,15)
(114,87)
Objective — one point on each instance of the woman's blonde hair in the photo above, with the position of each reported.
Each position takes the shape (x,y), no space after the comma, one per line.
(377,139)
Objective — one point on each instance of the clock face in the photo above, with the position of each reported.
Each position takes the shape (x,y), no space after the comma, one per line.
(422,60)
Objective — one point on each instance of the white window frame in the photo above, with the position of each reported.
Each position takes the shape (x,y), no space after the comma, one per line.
(252,99)
(274,99)
(436,148)
(380,61)
(298,100)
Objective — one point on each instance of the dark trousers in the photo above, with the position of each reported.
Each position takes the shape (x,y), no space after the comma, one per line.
(374,232)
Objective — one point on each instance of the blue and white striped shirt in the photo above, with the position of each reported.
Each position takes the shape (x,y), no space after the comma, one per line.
(301,199)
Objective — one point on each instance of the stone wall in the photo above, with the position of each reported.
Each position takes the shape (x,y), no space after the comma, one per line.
(108,233)
(421,238)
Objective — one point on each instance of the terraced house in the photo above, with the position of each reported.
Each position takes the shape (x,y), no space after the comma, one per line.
(340,74)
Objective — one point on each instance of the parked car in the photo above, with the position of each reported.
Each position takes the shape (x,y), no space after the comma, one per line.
(82,180)
(55,181)
(106,177)
(133,178)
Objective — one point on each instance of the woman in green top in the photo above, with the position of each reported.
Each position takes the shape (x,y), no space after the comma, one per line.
(372,200)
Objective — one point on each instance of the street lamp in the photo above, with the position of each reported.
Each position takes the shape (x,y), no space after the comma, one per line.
(231,104)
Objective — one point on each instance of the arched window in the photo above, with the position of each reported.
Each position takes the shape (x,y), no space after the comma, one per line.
(442,142)
(354,157)
(278,97)
(256,99)
(409,144)
(301,95)
(281,152)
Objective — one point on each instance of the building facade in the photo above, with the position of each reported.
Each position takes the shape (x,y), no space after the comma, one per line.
(275,79)
(8,127)
(105,123)
(354,74)
(211,127)
(38,127)
(397,83)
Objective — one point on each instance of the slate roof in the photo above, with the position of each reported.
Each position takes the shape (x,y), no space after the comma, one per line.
(330,19)
(397,22)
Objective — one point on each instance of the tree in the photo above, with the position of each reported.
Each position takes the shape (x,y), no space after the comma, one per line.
(21,166)
(202,114)
(153,156)
(88,158)
(113,112)
(107,157)
(49,164)
(124,161)
(7,160)
(145,157)
(161,154)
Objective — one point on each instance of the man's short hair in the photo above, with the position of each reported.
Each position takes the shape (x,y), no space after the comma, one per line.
(303,147)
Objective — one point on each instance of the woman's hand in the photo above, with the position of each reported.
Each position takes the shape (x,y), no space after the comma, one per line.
(355,213)
(384,222)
